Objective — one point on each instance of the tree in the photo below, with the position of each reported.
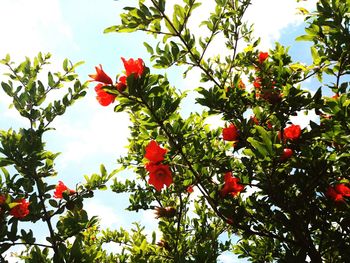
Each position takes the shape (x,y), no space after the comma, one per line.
(281,189)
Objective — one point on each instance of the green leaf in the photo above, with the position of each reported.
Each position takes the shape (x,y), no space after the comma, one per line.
(65,65)
(260,147)
(149,48)
(315,56)
(266,138)
(103,170)
(305,38)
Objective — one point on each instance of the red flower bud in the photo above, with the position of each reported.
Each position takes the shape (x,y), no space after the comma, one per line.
(338,192)
(230,133)
(269,125)
(254,120)
(257,83)
(263,56)
(190,189)
(287,153)
(292,132)
(241,85)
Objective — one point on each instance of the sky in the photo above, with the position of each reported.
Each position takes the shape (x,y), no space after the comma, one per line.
(88,134)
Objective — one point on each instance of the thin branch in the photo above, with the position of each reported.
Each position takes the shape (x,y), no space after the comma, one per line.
(156,32)
(213,32)
(47,217)
(179,222)
(236,39)
(33,244)
(178,34)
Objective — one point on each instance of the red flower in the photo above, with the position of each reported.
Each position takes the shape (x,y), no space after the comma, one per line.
(334,195)
(154,152)
(287,153)
(121,85)
(60,188)
(257,83)
(190,189)
(292,132)
(230,133)
(134,67)
(101,76)
(159,175)
(342,189)
(263,56)
(103,97)
(231,185)
(21,209)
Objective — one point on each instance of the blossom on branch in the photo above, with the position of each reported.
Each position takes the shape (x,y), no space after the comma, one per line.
(231,185)
(121,85)
(101,76)
(154,152)
(135,67)
(189,189)
(287,153)
(21,209)
(60,188)
(292,132)
(159,175)
(263,56)
(103,97)
(338,192)
(230,133)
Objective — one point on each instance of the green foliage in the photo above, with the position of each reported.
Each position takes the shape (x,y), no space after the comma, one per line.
(25,164)
(284,210)
(286,214)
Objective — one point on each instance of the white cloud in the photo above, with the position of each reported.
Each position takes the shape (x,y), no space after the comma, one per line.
(110,218)
(28,27)
(100,132)
(271,17)
(215,121)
